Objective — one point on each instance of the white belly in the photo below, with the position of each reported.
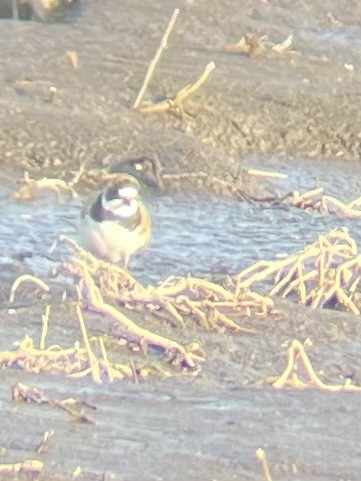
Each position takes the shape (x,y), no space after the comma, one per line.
(108,240)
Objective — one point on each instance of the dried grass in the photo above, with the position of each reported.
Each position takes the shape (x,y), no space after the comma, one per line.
(299,362)
(327,271)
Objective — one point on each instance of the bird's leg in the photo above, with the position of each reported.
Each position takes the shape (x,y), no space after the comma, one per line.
(15,10)
(126,262)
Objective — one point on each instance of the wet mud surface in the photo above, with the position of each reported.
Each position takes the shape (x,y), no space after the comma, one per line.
(295,113)
(168,429)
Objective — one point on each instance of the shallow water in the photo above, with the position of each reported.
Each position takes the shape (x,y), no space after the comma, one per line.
(193,235)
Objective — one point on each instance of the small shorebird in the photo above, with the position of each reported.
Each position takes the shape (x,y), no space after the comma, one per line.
(114,224)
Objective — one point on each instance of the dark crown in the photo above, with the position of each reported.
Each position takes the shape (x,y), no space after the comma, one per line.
(124,180)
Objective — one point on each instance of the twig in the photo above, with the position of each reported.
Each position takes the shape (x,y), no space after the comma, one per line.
(106,360)
(93,361)
(25,278)
(73,58)
(175,104)
(251,45)
(282,46)
(23,393)
(153,63)
(42,446)
(44,330)
(263,173)
(190,89)
(261,455)
(289,377)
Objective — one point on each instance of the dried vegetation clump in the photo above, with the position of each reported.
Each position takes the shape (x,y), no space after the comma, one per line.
(177,299)
(96,178)
(22,393)
(173,105)
(254,45)
(316,201)
(324,274)
(327,271)
(111,291)
(29,187)
(299,364)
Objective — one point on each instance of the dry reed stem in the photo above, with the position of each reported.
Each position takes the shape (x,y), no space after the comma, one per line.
(73,57)
(175,104)
(45,326)
(355,203)
(223,320)
(70,361)
(77,472)
(113,276)
(296,353)
(31,186)
(346,301)
(78,175)
(92,178)
(42,446)
(266,267)
(77,415)
(27,354)
(292,271)
(345,210)
(254,45)
(189,295)
(188,90)
(294,285)
(26,278)
(23,393)
(250,45)
(283,46)
(309,194)
(93,361)
(321,262)
(343,235)
(32,359)
(153,63)
(261,455)
(107,365)
(189,283)
(264,173)
(229,188)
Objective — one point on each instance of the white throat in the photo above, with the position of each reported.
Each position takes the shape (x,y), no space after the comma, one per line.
(129,192)
(118,208)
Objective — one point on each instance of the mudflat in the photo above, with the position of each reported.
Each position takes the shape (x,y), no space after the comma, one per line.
(273,109)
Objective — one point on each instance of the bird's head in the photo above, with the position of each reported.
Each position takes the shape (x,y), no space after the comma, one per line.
(121,196)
